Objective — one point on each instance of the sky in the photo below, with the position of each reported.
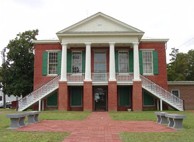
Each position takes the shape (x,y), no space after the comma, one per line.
(171,19)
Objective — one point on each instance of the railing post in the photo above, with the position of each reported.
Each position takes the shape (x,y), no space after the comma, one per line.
(161,109)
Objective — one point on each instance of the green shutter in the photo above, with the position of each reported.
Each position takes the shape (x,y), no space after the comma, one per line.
(131,61)
(140,62)
(83,61)
(52,100)
(44,63)
(59,63)
(76,96)
(148,99)
(124,96)
(68,61)
(155,62)
(116,61)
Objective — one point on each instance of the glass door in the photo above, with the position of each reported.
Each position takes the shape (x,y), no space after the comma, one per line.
(100,98)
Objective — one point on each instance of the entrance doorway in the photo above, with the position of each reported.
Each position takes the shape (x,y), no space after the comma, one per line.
(100,98)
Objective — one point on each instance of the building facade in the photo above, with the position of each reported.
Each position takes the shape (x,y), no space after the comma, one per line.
(183,90)
(100,64)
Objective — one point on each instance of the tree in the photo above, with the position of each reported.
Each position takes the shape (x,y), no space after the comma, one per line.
(181,67)
(17,71)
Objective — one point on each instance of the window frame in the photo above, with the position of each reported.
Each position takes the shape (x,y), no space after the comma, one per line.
(177,91)
(72,52)
(104,52)
(119,70)
(152,62)
(48,63)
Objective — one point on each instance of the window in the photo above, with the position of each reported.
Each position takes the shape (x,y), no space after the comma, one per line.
(0,98)
(147,62)
(99,62)
(123,62)
(52,65)
(176,93)
(76,62)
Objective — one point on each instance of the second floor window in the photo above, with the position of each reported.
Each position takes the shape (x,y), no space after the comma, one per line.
(76,62)
(123,62)
(147,57)
(52,66)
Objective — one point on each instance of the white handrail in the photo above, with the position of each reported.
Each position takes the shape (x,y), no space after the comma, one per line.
(38,94)
(162,93)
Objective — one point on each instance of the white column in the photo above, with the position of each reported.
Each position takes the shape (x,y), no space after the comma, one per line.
(158,104)
(39,105)
(112,62)
(88,62)
(64,62)
(136,62)
(161,105)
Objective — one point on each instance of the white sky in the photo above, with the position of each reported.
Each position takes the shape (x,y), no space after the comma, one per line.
(173,19)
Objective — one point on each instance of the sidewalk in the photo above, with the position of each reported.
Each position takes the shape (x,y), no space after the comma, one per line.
(98,127)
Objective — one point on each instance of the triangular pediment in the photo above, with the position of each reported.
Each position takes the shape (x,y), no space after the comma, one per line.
(100,23)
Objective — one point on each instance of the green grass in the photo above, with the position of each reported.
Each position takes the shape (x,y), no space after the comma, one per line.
(7,135)
(64,115)
(184,135)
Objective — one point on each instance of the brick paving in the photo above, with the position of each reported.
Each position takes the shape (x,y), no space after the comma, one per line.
(98,127)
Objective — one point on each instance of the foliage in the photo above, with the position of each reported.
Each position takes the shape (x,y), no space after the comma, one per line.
(17,71)
(181,67)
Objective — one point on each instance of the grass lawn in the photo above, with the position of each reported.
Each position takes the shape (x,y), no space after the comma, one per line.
(7,135)
(185,135)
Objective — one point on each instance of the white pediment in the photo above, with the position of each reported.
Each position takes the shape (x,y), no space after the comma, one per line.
(100,23)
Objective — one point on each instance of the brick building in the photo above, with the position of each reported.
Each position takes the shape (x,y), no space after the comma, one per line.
(183,90)
(100,63)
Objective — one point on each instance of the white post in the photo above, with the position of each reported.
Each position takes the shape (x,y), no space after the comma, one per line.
(64,63)
(136,62)
(158,106)
(39,105)
(42,104)
(88,62)
(112,62)
(161,105)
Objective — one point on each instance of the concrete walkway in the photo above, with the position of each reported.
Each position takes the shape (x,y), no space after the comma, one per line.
(98,127)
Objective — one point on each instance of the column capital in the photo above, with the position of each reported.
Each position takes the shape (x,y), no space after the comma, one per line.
(135,43)
(64,43)
(88,43)
(111,43)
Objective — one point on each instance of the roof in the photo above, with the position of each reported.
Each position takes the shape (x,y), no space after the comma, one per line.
(180,82)
(100,24)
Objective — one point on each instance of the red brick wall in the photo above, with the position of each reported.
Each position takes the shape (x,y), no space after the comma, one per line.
(40,80)
(88,103)
(161,78)
(63,100)
(137,102)
(186,93)
(112,96)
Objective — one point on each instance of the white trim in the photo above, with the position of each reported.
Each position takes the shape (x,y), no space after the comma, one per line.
(45,41)
(180,82)
(154,40)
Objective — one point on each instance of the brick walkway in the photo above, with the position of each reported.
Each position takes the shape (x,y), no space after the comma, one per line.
(98,127)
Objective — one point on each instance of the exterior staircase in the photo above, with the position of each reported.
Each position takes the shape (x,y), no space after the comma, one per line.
(163,94)
(38,94)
